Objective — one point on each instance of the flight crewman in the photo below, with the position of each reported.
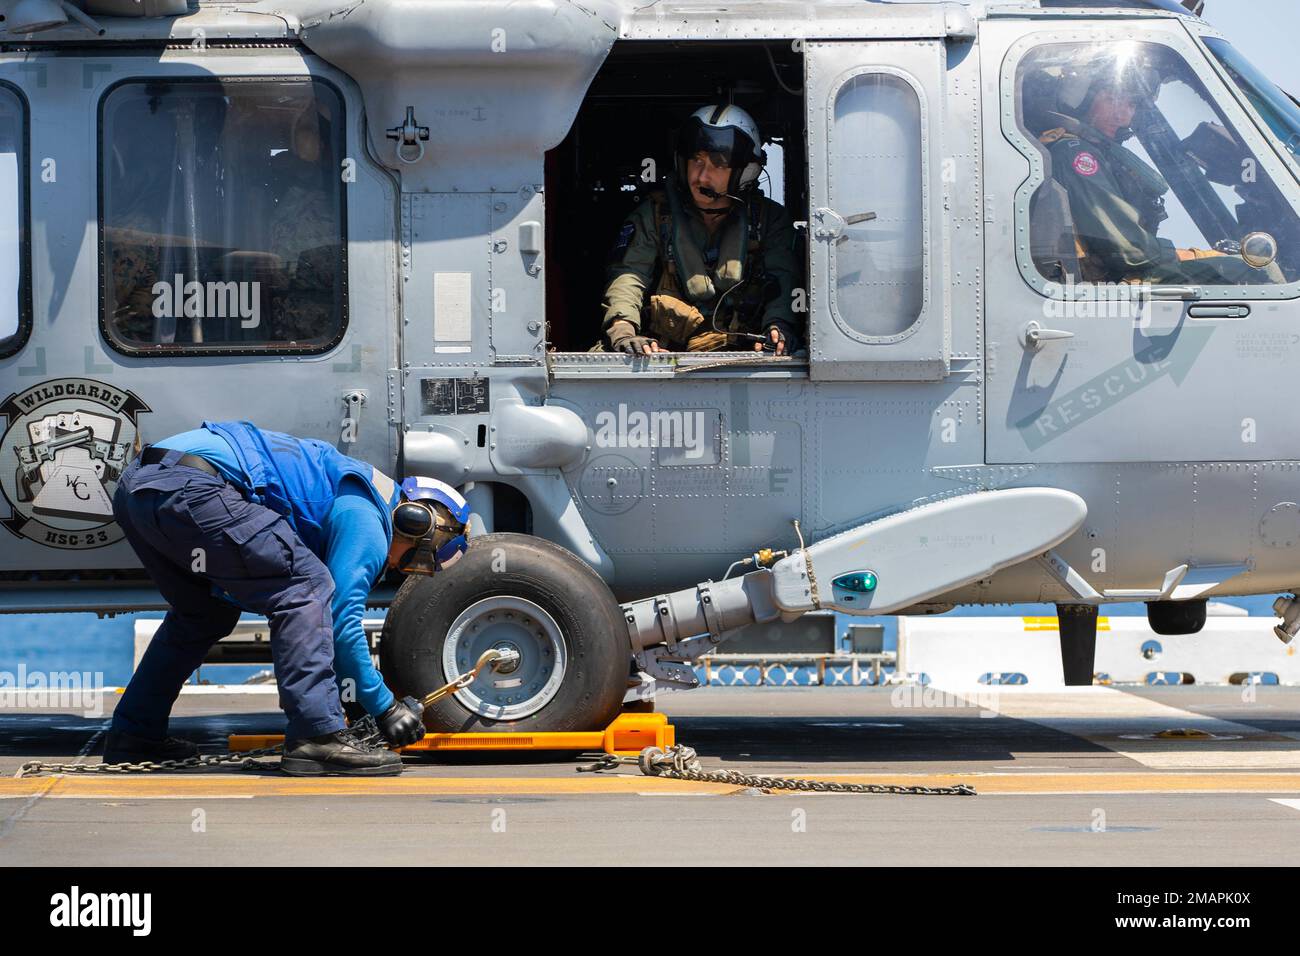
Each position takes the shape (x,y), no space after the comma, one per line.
(230,516)
(706,262)
(1117,199)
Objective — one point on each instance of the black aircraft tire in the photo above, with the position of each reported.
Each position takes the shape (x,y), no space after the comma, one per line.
(524,568)
(1173,618)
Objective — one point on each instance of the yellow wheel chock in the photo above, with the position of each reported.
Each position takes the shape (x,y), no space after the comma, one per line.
(628,735)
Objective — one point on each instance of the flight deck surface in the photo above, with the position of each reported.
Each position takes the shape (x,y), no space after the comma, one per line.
(1079,776)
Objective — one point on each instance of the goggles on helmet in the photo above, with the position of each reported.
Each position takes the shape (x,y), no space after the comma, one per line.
(433,519)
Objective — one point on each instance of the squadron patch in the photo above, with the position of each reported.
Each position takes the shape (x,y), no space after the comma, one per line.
(1085,164)
(624,238)
(66,443)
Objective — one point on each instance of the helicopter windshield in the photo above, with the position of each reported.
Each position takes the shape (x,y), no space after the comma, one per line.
(1274,106)
(1147,179)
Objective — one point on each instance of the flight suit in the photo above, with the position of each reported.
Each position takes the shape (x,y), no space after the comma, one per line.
(667,274)
(1117,202)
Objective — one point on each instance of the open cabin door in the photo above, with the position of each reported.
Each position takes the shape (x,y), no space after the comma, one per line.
(879,306)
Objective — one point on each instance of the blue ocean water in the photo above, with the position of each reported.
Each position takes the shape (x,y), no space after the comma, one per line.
(69,642)
(84,643)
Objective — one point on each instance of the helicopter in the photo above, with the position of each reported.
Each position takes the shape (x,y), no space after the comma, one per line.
(385,225)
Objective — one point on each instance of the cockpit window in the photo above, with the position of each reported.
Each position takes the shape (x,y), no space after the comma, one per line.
(1275,107)
(1146,180)
(222,216)
(15,312)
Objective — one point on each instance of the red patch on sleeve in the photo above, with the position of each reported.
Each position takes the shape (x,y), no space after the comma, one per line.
(1085,164)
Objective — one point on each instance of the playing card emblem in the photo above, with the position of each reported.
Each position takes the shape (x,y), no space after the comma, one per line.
(66,443)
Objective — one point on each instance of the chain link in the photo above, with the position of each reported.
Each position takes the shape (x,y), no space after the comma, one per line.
(245,761)
(676,763)
(681,763)
(364,731)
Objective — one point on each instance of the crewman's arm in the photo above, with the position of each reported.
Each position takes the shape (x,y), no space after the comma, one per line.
(355,554)
(779,258)
(1109,226)
(632,267)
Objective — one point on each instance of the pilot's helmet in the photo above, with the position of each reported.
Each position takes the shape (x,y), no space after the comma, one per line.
(432,518)
(1122,71)
(730,136)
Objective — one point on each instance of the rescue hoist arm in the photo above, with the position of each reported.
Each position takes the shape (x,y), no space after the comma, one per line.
(880,567)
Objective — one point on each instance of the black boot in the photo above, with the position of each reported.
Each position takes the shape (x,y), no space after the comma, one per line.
(338,753)
(120,747)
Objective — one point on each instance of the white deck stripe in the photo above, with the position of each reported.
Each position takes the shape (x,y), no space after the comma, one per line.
(1102,715)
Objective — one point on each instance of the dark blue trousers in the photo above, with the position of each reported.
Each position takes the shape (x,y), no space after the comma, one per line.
(192,530)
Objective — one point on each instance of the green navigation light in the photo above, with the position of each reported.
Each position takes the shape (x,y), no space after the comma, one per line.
(861,581)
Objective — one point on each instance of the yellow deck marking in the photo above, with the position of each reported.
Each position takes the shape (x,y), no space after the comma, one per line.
(1054,624)
(215,786)
(407,785)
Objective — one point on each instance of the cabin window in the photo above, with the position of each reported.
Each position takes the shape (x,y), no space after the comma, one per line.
(877,264)
(15,303)
(222,216)
(1145,179)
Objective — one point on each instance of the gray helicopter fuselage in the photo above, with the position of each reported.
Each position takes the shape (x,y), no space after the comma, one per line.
(941,360)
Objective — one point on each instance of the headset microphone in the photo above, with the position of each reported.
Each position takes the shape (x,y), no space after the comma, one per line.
(714,194)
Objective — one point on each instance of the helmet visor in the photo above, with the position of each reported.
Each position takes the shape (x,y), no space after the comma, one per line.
(726,146)
(1132,80)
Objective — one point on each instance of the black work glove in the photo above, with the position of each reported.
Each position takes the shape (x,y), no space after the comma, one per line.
(778,338)
(626,337)
(403,723)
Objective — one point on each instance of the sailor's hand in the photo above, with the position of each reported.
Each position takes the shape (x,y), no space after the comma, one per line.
(776,341)
(403,723)
(626,337)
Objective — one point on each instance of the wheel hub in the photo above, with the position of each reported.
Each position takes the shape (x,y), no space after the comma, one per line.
(519,687)
(510,666)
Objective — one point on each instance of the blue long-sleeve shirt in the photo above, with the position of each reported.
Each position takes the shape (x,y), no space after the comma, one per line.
(355,553)
(214,448)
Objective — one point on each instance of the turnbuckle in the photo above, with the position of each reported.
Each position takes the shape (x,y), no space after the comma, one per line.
(492,656)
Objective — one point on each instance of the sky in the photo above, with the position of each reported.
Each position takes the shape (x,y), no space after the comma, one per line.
(1265,31)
